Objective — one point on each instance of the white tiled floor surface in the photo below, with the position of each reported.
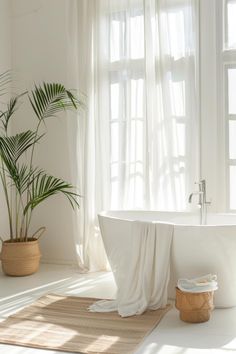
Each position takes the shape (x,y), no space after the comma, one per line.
(171,336)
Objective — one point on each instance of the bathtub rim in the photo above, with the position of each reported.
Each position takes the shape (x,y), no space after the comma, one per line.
(105,214)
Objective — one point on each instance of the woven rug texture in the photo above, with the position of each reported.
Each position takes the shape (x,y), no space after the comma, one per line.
(64,323)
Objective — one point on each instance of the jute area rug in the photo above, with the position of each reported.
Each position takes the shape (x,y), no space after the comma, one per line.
(64,323)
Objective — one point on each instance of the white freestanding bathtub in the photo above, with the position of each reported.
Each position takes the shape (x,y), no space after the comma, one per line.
(196,249)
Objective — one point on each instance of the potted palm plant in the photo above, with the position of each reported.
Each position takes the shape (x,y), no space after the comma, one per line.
(26,186)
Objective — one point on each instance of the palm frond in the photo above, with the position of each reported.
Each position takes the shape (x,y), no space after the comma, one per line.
(44,186)
(23,177)
(51,98)
(10,110)
(12,147)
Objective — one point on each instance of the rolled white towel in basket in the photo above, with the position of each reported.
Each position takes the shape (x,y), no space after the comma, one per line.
(202,284)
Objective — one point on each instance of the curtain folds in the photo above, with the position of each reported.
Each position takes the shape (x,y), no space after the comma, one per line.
(137,143)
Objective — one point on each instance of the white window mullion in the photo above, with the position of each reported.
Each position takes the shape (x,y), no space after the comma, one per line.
(226,78)
(208,96)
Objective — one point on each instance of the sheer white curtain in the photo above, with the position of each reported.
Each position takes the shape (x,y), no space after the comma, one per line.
(89,135)
(136,60)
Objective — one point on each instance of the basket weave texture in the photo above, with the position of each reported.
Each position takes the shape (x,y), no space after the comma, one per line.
(20,258)
(194,307)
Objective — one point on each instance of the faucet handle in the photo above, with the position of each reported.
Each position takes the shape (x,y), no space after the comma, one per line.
(199,186)
(202,185)
(201,182)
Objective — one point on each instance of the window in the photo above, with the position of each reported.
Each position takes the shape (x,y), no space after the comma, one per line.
(127,121)
(153,118)
(230,24)
(218,102)
(229,71)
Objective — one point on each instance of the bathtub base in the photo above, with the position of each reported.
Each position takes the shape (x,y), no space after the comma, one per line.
(196,249)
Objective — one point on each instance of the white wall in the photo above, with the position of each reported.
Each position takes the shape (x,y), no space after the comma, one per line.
(5,36)
(39,54)
(5,64)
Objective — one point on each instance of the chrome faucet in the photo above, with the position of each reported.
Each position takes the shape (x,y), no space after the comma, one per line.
(201,201)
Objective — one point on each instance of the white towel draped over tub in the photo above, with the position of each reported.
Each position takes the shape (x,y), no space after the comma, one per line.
(141,270)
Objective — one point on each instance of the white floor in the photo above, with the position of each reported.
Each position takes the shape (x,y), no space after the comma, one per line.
(171,336)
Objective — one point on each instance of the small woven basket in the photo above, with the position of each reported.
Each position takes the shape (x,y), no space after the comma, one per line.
(20,258)
(194,307)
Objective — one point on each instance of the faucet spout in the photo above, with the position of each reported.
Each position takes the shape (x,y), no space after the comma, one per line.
(202,201)
(192,194)
(190,198)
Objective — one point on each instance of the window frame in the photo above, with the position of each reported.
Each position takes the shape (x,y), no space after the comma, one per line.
(226,60)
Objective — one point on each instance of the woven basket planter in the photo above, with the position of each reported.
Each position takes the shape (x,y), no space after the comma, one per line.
(20,258)
(194,307)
